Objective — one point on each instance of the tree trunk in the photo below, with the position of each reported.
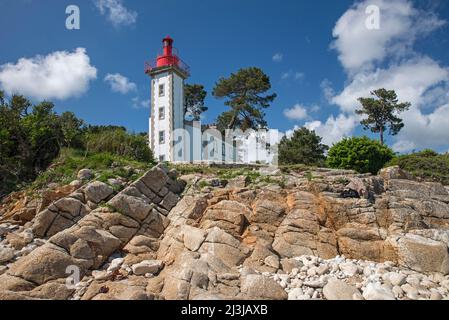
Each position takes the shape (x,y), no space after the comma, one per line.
(232,123)
(381,136)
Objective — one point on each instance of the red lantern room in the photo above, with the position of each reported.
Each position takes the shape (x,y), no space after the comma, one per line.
(168,58)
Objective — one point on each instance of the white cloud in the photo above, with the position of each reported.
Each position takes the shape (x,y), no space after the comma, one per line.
(334,129)
(385,58)
(278,57)
(424,130)
(116,12)
(294,75)
(328,91)
(120,83)
(140,104)
(411,80)
(421,81)
(400,26)
(286,75)
(297,112)
(299,75)
(315,108)
(59,75)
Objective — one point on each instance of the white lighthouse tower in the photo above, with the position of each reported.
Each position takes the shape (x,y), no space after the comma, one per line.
(167,73)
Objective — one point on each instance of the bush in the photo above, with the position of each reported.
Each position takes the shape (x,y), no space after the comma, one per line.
(426,164)
(121,143)
(360,154)
(31,137)
(66,166)
(304,147)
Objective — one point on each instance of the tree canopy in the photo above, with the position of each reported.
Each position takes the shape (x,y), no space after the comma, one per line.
(31,137)
(194,95)
(360,154)
(381,112)
(244,92)
(304,147)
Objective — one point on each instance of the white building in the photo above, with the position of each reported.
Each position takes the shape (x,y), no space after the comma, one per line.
(173,138)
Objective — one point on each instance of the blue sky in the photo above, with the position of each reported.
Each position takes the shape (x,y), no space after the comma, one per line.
(319,55)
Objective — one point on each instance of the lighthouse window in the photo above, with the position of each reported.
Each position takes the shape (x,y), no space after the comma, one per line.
(161,113)
(161,90)
(161,137)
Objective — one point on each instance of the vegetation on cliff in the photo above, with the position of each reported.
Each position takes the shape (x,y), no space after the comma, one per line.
(426,164)
(32,136)
(360,154)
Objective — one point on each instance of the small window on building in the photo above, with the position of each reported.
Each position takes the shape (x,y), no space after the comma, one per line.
(161,137)
(161,90)
(161,113)
(161,158)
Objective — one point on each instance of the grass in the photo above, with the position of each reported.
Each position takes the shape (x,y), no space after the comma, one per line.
(229,174)
(64,169)
(203,184)
(220,172)
(252,174)
(427,165)
(309,175)
(295,168)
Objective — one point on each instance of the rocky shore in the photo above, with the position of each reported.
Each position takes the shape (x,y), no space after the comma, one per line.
(324,234)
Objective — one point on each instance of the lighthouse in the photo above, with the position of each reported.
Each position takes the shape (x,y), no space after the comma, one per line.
(167,118)
(175,139)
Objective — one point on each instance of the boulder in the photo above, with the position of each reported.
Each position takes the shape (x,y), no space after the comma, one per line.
(169,201)
(238,182)
(143,241)
(129,289)
(42,222)
(69,205)
(395,278)
(193,237)
(3,231)
(131,206)
(338,290)
(422,254)
(115,264)
(191,206)
(261,287)
(267,211)
(6,254)
(357,184)
(76,184)
(227,215)
(54,290)
(147,266)
(155,179)
(44,264)
(375,291)
(394,172)
(9,282)
(97,191)
(18,241)
(85,174)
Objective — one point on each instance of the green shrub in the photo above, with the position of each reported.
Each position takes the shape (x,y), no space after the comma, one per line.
(66,166)
(31,138)
(360,154)
(119,142)
(304,147)
(203,184)
(426,164)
